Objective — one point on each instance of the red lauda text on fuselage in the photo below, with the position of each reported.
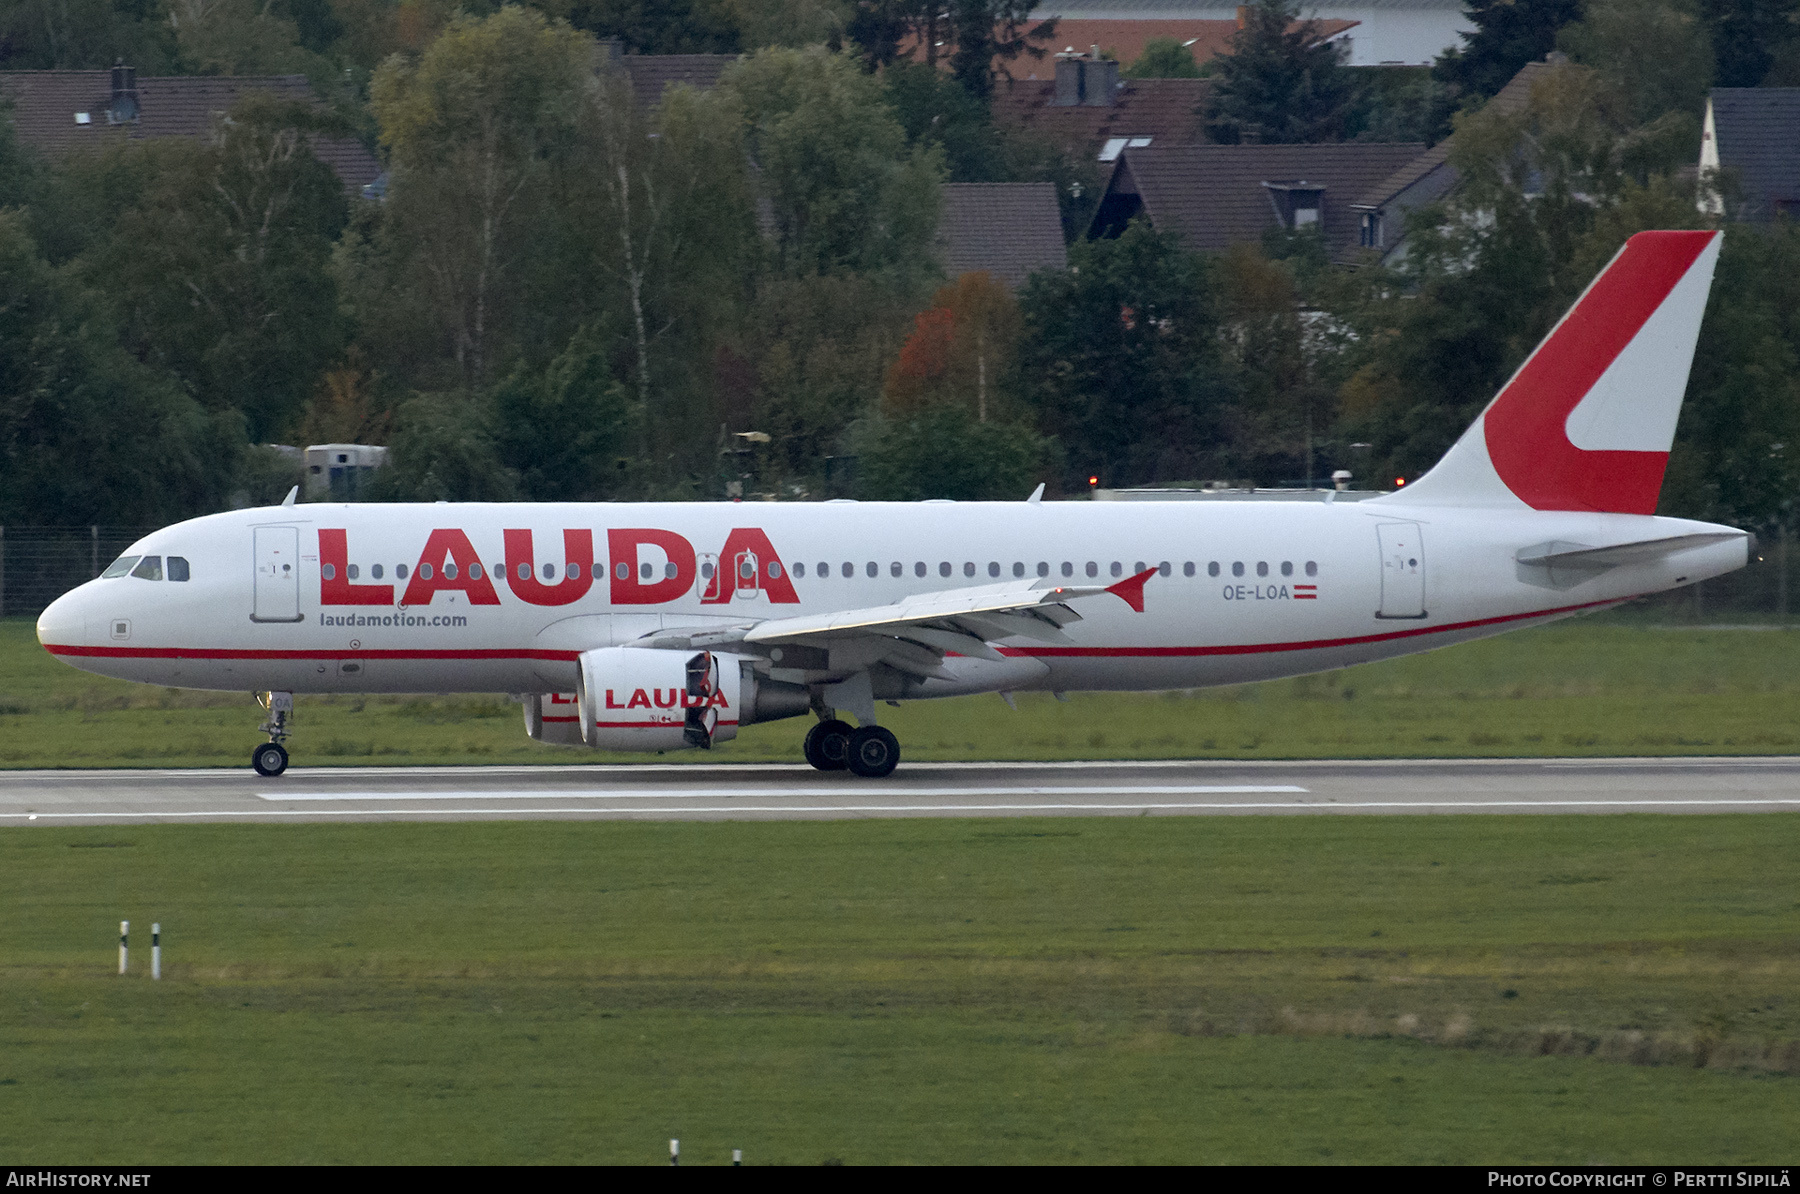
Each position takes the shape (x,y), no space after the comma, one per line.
(449,562)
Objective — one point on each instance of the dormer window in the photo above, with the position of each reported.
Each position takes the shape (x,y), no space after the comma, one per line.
(1298,204)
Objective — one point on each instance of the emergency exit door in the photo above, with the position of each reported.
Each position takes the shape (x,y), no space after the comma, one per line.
(277,593)
(1402,570)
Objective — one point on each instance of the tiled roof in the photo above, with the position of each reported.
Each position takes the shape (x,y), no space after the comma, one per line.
(1759,139)
(1514,96)
(1213,195)
(46,104)
(1008,229)
(1126,38)
(1165,109)
(652,74)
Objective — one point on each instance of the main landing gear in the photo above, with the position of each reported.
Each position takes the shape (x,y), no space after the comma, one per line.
(271,758)
(870,751)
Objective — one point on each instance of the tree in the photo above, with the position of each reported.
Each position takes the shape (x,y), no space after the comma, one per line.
(1752,38)
(87,434)
(473,129)
(1508,34)
(1120,358)
(85,35)
(655,26)
(1281,83)
(845,194)
(978,37)
(944,452)
(962,351)
(1164,58)
(935,110)
(237,37)
(569,433)
(217,264)
(1655,55)
(443,451)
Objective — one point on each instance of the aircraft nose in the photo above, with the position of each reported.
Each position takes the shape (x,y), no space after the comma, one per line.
(63,624)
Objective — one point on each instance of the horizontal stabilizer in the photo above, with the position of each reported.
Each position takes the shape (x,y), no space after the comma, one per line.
(1557,554)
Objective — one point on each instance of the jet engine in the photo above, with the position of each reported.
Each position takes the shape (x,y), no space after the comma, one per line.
(648,699)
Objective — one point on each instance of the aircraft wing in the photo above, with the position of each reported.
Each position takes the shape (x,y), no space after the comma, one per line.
(916,632)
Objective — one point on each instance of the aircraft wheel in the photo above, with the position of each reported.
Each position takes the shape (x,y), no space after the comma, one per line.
(270,759)
(827,744)
(873,752)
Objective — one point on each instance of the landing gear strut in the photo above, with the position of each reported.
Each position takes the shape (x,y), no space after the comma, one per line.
(271,758)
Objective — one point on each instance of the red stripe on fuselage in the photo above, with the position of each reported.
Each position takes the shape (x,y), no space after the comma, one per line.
(1043,652)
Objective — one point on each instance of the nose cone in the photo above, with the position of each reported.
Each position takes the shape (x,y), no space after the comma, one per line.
(63,624)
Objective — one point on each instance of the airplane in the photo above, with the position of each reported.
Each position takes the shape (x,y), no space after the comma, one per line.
(667,626)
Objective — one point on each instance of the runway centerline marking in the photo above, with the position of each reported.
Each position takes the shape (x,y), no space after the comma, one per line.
(796,794)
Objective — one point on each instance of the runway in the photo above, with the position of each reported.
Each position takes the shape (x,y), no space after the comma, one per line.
(725,791)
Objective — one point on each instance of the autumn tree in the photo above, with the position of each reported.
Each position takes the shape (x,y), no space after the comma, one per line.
(963,350)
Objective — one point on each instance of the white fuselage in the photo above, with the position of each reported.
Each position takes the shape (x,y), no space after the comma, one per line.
(1386,578)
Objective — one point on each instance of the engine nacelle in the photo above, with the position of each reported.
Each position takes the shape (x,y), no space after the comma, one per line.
(636,698)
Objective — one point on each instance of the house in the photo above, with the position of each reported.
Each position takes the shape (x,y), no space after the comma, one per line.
(1387,33)
(1215,196)
(1008,229)
(653,74)
(1382,210)
(56,111)
(1750,150)
(1085,107)
(1125,39)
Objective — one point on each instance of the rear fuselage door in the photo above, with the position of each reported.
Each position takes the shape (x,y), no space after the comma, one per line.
(1402,570)
(277,593)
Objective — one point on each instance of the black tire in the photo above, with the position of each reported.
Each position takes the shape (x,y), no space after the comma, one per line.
(827,745)
(269,760)
(873,752)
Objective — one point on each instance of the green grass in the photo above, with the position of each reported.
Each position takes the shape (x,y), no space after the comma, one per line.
(1585,687)
(1458,989)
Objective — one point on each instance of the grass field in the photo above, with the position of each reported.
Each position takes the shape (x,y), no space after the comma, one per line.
(1460,989)
(1584,687)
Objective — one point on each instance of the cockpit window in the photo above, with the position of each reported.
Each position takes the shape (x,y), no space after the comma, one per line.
(178,568)
(149,568)
(119,567)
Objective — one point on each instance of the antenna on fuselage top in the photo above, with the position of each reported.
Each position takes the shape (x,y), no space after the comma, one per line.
(295,492)
(1037,495)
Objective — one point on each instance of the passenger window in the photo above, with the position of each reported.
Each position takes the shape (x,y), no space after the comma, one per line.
(524,571)
(1137,567)
(800,571)
(944,568)
(1093,569)
(400,572)
(1118,569)
(450,570)
(919,568)
(1068,569)
(1287,567)
(1312,569)
(1262,568)
(474,571)
(872,569)
(1165,568)
(178,568)
(774,570)
(119,567)
(746,570)
(573,571)
(150,568)
(1043,568)
(328,571)
(549,571)
(375,571)
(1237,568)
(622,570)
(968,567)
(350,571)
(646,570)
(896,568)
(993,568)
(848,570)
(1018,568)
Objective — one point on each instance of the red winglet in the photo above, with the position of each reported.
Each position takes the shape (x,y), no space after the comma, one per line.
(1132,589)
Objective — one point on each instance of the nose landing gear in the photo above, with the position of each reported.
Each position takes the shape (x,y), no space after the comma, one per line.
(271,758)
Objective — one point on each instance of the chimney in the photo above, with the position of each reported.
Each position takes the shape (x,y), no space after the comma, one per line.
(1068,82)
(1243,12)
(1101,79)
(123,107)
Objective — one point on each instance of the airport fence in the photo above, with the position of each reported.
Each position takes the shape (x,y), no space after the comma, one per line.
(40,564)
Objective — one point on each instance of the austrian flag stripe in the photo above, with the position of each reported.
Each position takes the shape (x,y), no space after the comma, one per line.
(1306,592)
